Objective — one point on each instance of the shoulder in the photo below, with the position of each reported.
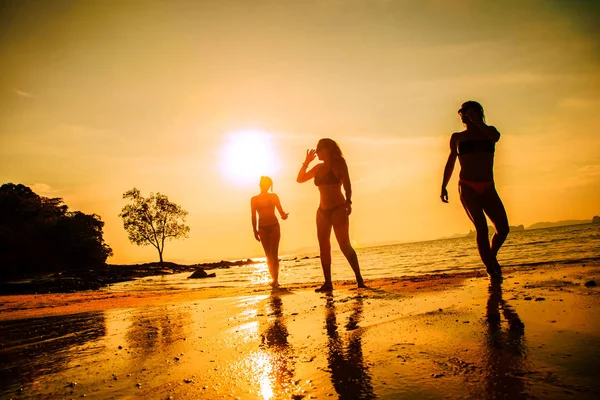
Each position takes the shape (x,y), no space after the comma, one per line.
(492,127)
(456,137)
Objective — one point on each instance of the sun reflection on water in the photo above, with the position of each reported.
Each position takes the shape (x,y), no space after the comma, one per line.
(260,274)
(263,368)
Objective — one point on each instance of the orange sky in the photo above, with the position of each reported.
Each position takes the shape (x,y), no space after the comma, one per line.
(97,97)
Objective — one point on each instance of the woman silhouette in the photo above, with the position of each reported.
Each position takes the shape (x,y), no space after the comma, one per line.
(475,148)
(268,232)
(334,209)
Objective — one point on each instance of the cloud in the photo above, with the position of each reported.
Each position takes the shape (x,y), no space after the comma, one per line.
(43,189)
(21,93)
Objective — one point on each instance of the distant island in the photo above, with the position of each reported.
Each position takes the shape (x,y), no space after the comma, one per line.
(540,225)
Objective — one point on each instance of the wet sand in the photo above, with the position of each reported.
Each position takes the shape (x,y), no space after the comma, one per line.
(442,336)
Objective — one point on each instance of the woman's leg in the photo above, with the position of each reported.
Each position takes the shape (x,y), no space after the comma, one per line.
(274,251)
(324,235)
(493,207)
(471,201)
(341,227)
(265,240)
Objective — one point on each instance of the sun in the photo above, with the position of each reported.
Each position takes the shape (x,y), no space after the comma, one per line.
(247,155)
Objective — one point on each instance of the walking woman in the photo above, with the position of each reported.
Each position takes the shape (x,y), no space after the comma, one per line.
(334,208)
(475,149)
(268,232)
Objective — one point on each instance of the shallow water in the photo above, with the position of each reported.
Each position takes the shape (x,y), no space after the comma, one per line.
(578,243)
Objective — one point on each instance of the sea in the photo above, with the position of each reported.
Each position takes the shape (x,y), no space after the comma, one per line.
(558,245)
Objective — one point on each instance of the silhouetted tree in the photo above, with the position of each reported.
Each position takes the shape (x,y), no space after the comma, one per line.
(153,220)
(39,234)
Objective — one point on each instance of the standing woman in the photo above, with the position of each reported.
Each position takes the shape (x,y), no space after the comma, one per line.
(334,208)
(475,148)
(268,232)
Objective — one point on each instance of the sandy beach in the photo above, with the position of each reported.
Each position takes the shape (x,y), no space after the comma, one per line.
(437,336)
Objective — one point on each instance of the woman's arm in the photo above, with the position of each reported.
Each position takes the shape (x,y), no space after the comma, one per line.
(489,131)
(303,175)
(283,214)
(449,168)
(253,209)
(340,169)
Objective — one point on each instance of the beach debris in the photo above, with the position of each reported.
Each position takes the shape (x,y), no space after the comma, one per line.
(72,384)
(437,375)
(139,385)
(120,347)
(188,380)
(591,283)
(540,298)
(528,298)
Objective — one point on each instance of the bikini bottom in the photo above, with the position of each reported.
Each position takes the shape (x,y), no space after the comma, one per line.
(478,187)
(269,228)
(328,213)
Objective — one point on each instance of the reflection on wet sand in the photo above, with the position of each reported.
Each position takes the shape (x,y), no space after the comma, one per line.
(349,372)
(277,375)
(41,347)
(159,329)
(504,349)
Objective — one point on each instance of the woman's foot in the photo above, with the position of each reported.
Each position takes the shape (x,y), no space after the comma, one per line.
(494,276)
(361,284)
(274,285)
(327,287)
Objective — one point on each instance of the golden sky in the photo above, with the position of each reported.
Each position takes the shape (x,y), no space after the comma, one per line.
(99,96)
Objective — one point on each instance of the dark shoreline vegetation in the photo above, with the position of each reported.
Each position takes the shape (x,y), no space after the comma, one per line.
(94,278)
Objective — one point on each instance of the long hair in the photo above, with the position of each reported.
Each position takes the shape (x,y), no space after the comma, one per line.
(266,181)
(475,106)
(334,148)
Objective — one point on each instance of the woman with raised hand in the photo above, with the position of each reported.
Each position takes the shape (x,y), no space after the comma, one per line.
(474,147)
(268,231)
(334,208)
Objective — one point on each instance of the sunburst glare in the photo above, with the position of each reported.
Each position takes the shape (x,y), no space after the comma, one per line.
(247,155)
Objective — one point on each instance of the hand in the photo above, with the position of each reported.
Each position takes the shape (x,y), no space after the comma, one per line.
(444,195)
(348,208)
(256,236)
(474,116)
(284,216)
(310,155)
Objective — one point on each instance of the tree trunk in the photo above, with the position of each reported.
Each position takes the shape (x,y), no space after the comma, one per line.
(160,255)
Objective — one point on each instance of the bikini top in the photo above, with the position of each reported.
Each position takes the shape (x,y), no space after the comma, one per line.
(328,179)
(267,205)
(476,146)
